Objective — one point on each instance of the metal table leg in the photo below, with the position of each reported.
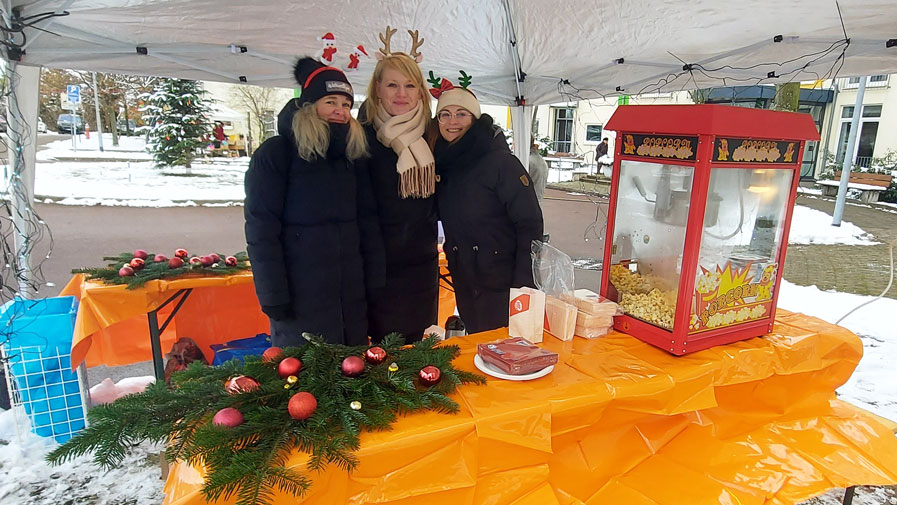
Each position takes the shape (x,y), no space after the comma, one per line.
(156,331)
(848,495)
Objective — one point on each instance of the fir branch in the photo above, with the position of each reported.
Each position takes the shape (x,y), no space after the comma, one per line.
(249,461)
(157,271)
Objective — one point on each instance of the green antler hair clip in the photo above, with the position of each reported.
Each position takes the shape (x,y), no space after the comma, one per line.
(464,80)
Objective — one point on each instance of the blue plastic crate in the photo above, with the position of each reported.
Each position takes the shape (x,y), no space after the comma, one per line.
(37,336)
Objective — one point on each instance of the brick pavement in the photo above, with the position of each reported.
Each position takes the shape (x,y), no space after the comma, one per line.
(845,268)
(849,269)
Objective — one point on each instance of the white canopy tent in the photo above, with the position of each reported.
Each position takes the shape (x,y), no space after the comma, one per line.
(519,52)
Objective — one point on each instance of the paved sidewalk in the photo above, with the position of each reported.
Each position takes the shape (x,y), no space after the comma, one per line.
(849,269)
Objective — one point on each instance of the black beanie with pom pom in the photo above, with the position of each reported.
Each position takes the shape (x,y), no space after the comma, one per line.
(318,81)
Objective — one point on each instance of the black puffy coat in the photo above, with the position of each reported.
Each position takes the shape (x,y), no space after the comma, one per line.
(490,215)
(407,302)
(306,225)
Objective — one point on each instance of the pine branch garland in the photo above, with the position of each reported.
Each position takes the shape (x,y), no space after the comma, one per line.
(248,461)
(155,271)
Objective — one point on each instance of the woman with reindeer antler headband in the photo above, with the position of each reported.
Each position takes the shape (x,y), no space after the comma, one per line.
(487,205)
(395,117)
(311,225)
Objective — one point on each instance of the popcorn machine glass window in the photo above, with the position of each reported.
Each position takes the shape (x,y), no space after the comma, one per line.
(649,237)
(743,226)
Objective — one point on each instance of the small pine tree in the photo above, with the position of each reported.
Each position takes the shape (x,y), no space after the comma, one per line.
(176,113)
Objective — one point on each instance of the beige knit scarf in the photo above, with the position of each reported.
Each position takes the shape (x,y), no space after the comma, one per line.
(404,134)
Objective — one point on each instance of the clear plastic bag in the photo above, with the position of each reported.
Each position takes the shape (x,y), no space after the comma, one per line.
(553,271)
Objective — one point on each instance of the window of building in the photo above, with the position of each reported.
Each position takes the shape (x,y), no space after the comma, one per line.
(811,147)
(865,143)
(593,132)
(874,81)
(563,130)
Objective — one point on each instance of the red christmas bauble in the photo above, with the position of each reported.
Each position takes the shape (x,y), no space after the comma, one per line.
(140,253)
(429,375)
(302,405)
(175,262)
(137,263)
(241,384)
(195,261)
(229,417)
(206,261)
(215,258)
(375,355)
(159,258)
(125,271)
(181,253)
(272,353)
(230,261)
(288,367)
(352,366)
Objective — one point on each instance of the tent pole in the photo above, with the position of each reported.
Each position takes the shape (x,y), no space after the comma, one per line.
(96,106)
(21,116)
(520,115)
(849,153)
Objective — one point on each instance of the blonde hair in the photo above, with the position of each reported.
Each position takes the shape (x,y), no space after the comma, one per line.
(410,69)
(313,135)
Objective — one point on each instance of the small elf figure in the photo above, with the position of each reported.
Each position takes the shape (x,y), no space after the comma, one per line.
(354,56)
(329,48)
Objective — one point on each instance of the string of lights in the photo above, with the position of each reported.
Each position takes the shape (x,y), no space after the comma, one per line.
(26,241)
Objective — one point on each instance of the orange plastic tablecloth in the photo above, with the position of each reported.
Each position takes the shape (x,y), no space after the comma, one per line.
(111,327)
(619,421)
(446,292)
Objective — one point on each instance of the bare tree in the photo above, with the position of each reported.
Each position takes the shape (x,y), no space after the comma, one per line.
(259,101)
(116,92)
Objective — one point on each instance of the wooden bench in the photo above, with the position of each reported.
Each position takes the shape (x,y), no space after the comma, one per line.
(869,185)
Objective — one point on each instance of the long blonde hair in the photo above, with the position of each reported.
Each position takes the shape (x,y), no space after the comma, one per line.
(313,135)
(410,69)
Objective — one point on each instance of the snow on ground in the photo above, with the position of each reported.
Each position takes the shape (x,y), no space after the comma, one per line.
(873,386)
(25,478)
(128,148)
(139,184)
(811,226)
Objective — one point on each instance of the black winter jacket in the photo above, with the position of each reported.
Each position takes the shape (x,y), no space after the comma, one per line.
(407,302)
(488,209)
(306,226)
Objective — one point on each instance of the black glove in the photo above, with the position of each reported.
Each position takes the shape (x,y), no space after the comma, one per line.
(278,312)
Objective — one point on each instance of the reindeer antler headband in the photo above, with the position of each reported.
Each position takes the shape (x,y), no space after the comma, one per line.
(415,44)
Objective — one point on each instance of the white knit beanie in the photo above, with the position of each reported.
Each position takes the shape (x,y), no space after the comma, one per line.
(461,97)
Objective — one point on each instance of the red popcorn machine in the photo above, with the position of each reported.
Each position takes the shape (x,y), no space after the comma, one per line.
(700,208)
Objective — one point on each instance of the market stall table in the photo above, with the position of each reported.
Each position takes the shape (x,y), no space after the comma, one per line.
(114,324)
(620,421)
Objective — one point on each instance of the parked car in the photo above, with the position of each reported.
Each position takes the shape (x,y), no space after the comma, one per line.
(129,128)
(3,123)
(41,126)
(65,122)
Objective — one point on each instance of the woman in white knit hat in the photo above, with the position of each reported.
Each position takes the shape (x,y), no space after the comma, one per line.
(487,206)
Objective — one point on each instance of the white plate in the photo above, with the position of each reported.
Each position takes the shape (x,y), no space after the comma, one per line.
(488,369)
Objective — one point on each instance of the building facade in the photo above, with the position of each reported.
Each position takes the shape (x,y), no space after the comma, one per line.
(577,127)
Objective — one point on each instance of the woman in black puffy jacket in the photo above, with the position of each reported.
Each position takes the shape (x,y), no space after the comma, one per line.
(488,209)
(311,220)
